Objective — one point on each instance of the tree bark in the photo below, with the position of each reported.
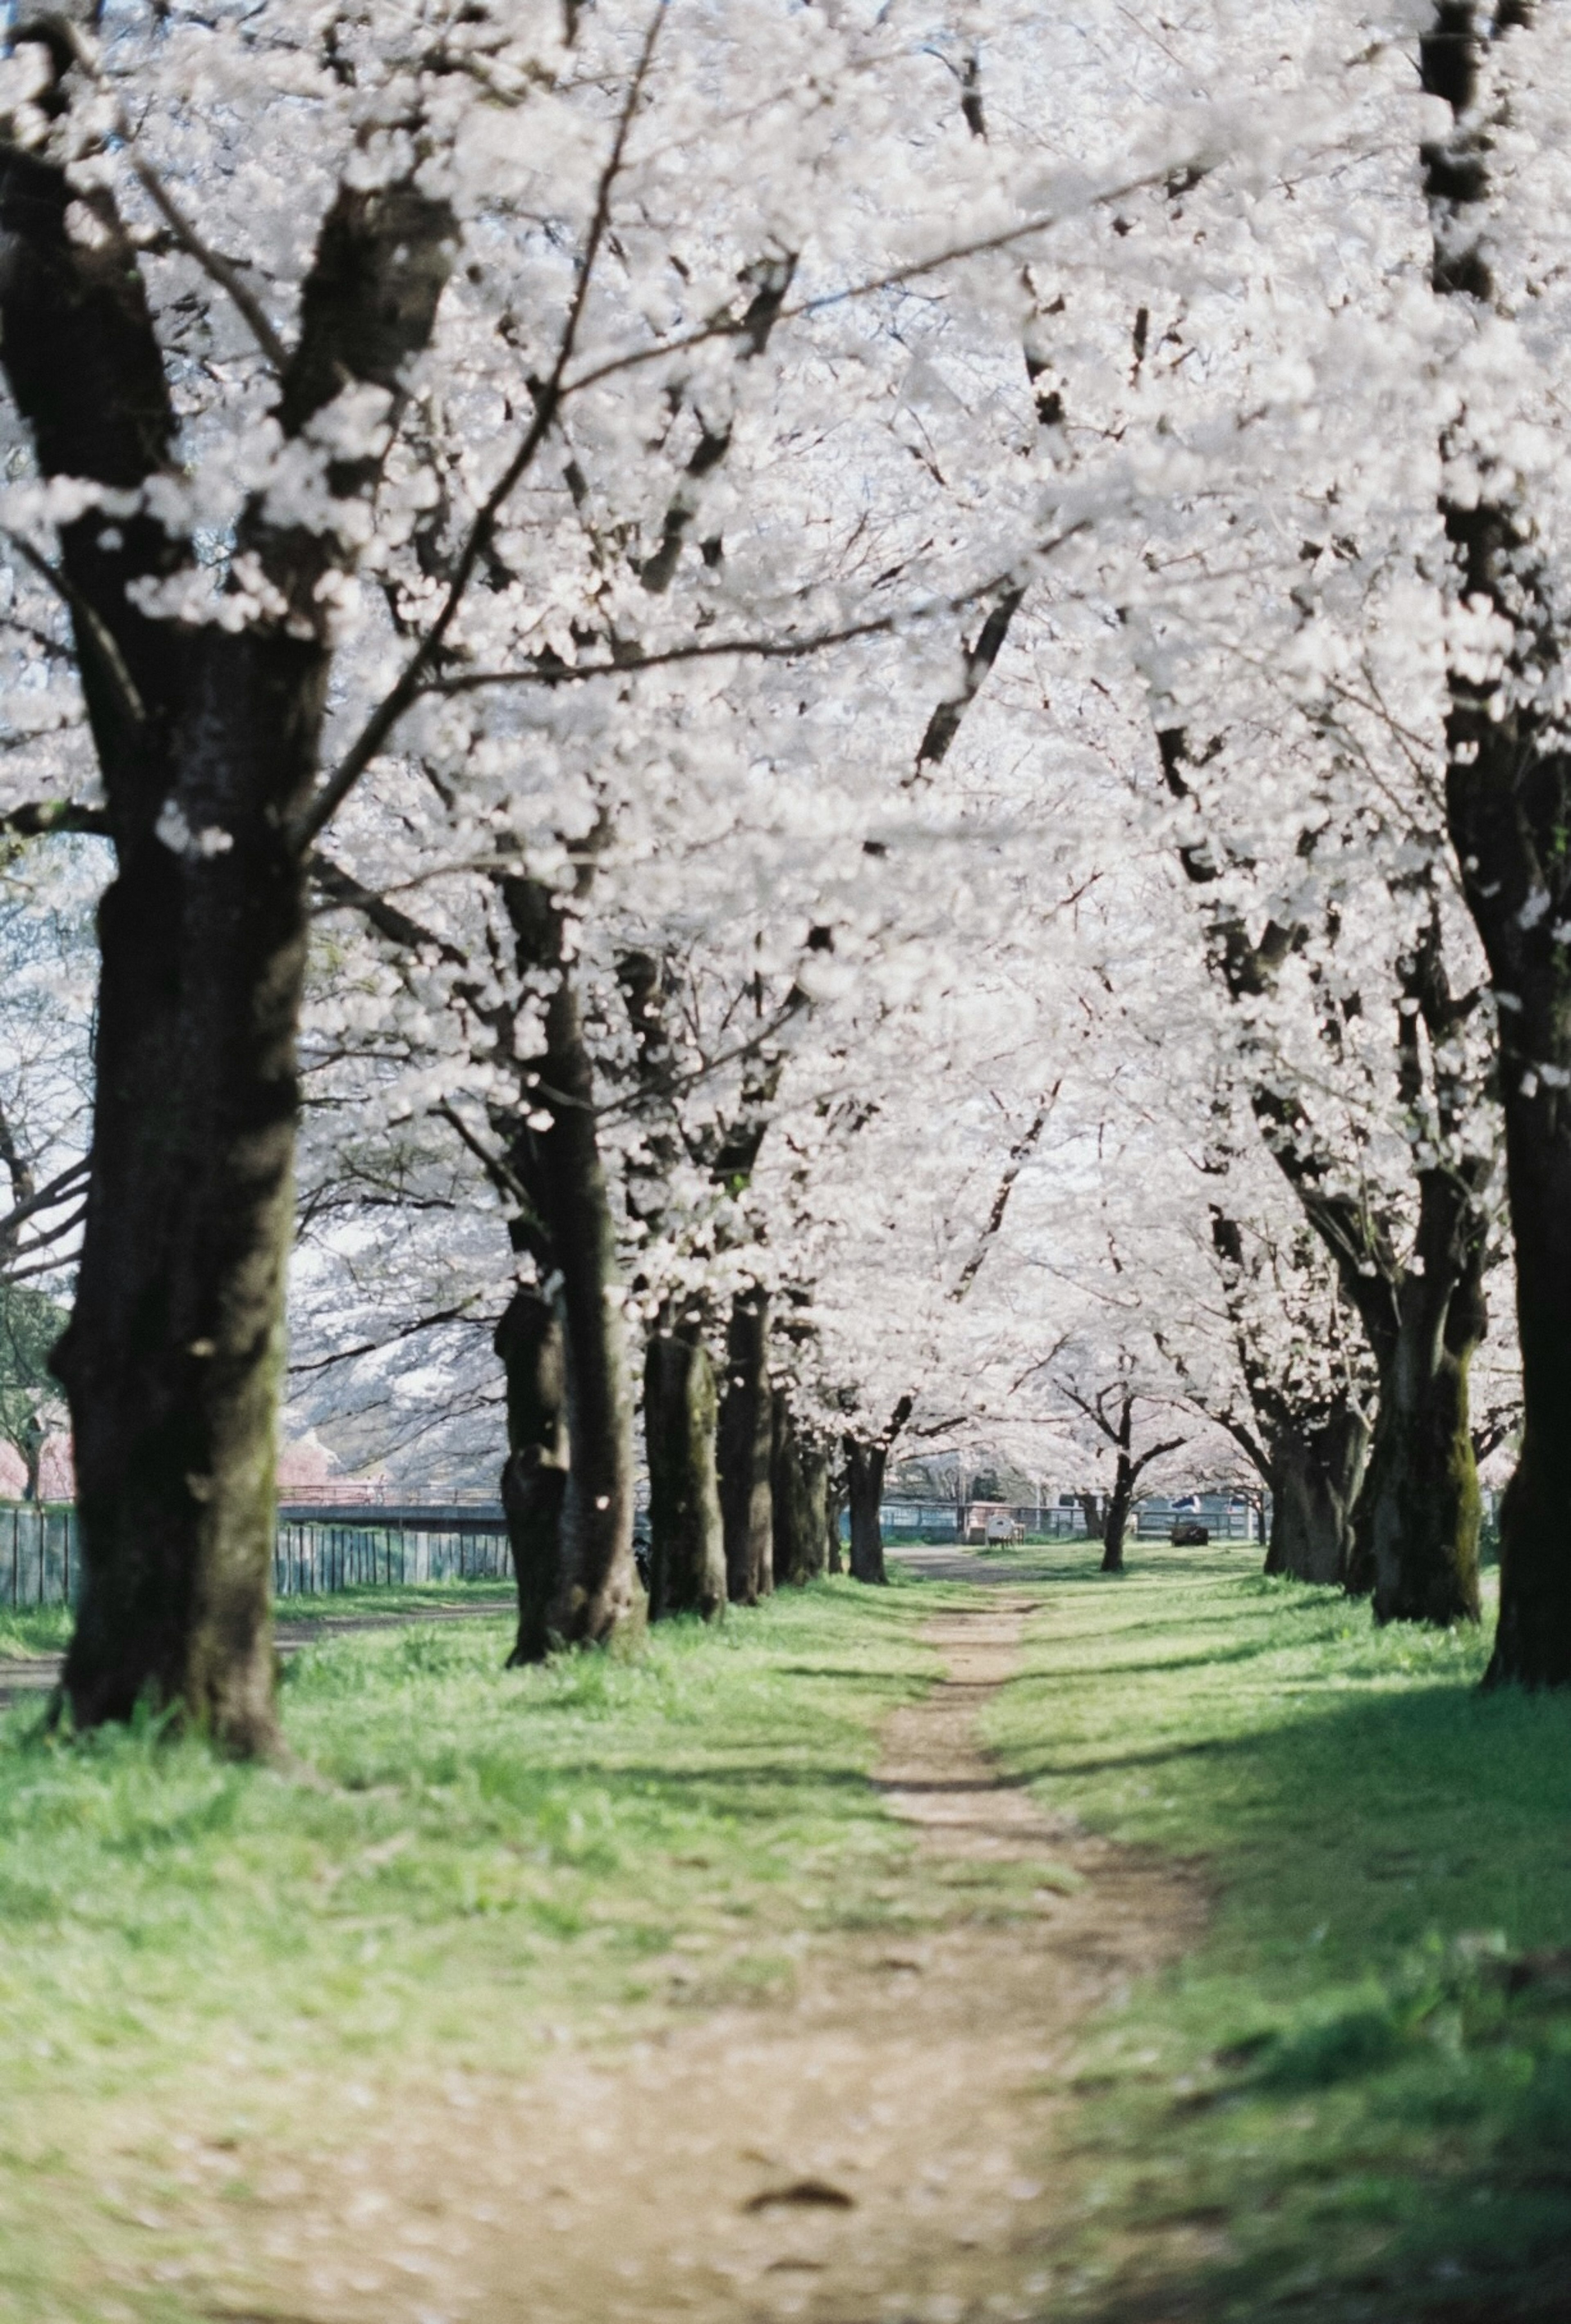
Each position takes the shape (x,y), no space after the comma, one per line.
(171,1359)
(1416,1517)
(745,1444)
(833,1508)
(1116,1524)
(798,1485)
(865,1466)
(534,1476)
(687,1548)
(1316,1474)
(823,1523)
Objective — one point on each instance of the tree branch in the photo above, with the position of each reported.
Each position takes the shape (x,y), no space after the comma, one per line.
(412,681)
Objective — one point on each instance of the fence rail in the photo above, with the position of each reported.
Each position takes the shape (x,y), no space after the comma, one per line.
(314,1551)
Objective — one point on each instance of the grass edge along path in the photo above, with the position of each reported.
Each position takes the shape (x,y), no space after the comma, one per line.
(207,1967)
(1353,2100)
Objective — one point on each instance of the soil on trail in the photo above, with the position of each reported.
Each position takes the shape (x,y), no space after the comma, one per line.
(877,2148)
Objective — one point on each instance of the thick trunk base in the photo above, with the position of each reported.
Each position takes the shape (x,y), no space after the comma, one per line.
(1116,1524)
(529,1340)
(1316,1477)
(865,1465)
(746,1443)
(1416,1524)
(1532,1643)
(687,1550)
(799,1481)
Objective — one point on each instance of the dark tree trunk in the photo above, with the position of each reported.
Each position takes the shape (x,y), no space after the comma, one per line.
(746,1440)
(208,745)
(865,1465)
(1532,1645)
(171,1359)
(32,1443)
(814,1462)
(1116,1524)
(1317,1470)
(797,1481)
(833,1509)
(571,1236)
(1415,1520)
(1508,797)
(687,1549)
(598,1585)
(1091,1510)
(529,1340)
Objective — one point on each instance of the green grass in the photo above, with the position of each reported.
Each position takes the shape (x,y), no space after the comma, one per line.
(460,1863)
(28,1631)
(1334,2108)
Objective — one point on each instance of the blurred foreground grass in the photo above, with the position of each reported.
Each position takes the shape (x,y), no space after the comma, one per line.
(1348,2103)
(460,1865)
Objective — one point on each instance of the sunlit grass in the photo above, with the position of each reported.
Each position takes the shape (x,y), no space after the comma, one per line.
(1336,2108)
(458,1862)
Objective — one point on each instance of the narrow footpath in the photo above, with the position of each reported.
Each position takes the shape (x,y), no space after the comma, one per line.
(877,2148)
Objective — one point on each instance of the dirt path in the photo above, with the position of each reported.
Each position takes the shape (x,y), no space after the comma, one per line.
(876,2150)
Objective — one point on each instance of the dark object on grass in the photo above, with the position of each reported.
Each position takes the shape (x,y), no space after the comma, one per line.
(806,2192)
(1188,1533)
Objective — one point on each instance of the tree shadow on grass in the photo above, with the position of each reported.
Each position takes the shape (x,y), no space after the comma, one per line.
(1364,2106)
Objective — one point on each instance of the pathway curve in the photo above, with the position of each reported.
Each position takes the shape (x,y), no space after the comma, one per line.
(876,2150)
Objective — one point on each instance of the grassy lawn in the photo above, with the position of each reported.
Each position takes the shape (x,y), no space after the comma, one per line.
(1353,2101)
(1347,2103)
(27,1632)
(462,1865)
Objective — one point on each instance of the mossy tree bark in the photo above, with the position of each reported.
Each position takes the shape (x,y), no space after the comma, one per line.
(745,1446)
(1416,1523)
(172,1359)
(687,1547)
(1316,1471)
(1507,791)
(797,1480)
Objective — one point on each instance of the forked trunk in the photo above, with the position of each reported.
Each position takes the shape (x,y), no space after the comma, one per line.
(864,1465)
(1116,1524)
(529,1340)
(1317,1472)
(687,1550)
(1416,1517)
(746,1442)
(799,1523)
